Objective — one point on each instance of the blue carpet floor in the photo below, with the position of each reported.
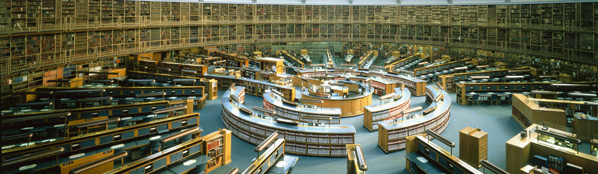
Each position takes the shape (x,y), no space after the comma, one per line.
(496,120)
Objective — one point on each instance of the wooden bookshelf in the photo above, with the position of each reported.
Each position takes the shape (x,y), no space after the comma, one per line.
(380,113)
(536,31)
(392,134)
(218,148)
(327,141)
(297,113)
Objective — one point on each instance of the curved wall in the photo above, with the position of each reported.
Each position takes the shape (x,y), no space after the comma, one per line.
(90,30)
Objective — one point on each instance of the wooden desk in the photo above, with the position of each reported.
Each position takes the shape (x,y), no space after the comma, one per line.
(194,149)
(527,112)
(463,89)
(297,113)
(417,86)
(350,106)
(89,143)
(521,149)
(438,159)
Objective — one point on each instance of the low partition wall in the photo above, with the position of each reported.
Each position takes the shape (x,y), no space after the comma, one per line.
(379,113)
(296,113)
(392,134)
(527,112)
(484,91)
(329,141)
(530,148)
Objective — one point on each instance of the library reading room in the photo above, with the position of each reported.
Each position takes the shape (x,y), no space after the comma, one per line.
(299,86)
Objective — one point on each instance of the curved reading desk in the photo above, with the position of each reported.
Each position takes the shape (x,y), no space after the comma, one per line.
(327,140)
(350,106)
(292,111)
(254,87)
(392,133)
(379,113)
(415,85)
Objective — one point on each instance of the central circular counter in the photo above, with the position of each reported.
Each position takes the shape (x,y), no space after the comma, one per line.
(350,106)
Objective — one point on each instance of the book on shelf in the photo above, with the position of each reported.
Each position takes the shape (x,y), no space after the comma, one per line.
(214,144)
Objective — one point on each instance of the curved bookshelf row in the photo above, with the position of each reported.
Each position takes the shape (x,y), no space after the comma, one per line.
(392,133)
(327,141)
(376,114)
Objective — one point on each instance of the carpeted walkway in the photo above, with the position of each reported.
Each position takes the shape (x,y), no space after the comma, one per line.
(496,120)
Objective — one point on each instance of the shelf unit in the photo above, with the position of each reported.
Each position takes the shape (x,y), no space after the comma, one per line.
(217,146)
(381,113)
(329,143)
(214,150)
(296,113)
(221,24)
(82,12)
(476,141)
(5,14)
(94,10)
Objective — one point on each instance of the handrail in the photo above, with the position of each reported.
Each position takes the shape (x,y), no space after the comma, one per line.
(234,170)
(493,168)
(80,90)
(440,138)
(44,116)
(410,110)
(32,92)
(514,77)
(235,98)
(286,121)
(95,99)
(181,134)
(317,117)
(360,158)
(570,84)
(102,81)
(89,166)
(266,142)
(347,64)
(479,77)
(387,96)
(93,123)
(520,70)
(170,109)
(246,110)
(289,102)
(165,69)
(264,110)
(439,97)
(92,72)
(311,100)
(17,136)
(34,103)
(32,157)
(142,80)
(555,134)
(153,94)
(579,94)
(277,92)
(188,71)
(184,80)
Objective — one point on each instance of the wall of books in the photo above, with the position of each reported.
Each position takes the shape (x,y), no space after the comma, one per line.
(41,33)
